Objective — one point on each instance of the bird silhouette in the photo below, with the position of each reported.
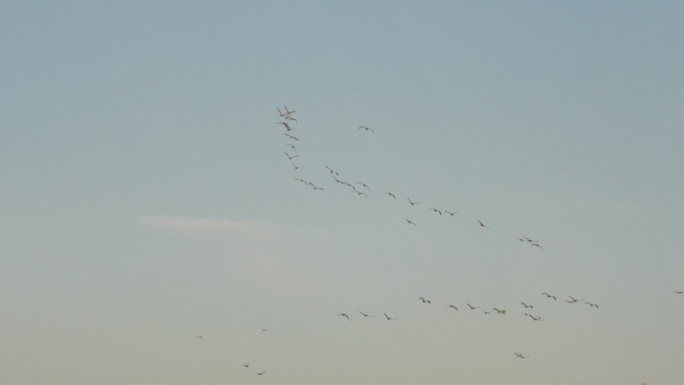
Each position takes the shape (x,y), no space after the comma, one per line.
(526,305)
(549,296)
(435,210)
(482,224)
(423,300)
(412,202)
(389,318)
(290,136)
(678,291)
(472,307)
(366,315)
(366,128)
(295,166)
(343,315)
(290,156)
(451,213)
(261,373)
(390,194)
(453,307)
(287,126)
(410,222)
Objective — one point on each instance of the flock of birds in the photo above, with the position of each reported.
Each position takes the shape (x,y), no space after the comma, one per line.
(358,188)
(362,190)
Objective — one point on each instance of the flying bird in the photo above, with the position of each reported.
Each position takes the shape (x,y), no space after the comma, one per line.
(410,222)
(412,202)
(290,136)
(388,317)
(678,291)
(261,373)
(288,117)
(435,210)
(245,365)
(423,300)
(295,166)
(291,146)
(472,307)
(549,296)
(343,315)
(527,306)
(390,194)
(482,224)
(288,111)
(366,128)
(520,355)
(453,307)
(366,315)
(290,156)
(592,304)
(287,126)
(451,213)
(572,300)
(364,185)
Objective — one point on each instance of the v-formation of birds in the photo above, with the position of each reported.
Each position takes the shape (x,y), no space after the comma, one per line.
(359,188)
(362,189)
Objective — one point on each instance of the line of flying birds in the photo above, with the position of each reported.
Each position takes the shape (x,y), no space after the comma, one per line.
(360,189)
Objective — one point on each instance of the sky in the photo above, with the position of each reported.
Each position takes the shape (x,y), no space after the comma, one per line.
(153,231)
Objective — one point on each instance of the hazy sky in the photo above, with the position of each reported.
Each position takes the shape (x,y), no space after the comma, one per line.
(146,198)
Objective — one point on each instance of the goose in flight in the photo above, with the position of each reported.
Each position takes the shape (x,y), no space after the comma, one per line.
(290,136)
(389,318)
(288,117)
(364,185)
(412,202)
(472,307)
(245,365)
(295,166)
(549,296)
(410,222)
(343,315)
(520,355)
(261,373)
(390,194)
(288,111)
(423,300)
(366,128)
(435,210)
(290,156)
(451,213)
(287,126)
(526,305)
(366,315)
(482,224)
(572,300)
(499,311)
(453,307)
(291,146)
(678,291)
(592,304)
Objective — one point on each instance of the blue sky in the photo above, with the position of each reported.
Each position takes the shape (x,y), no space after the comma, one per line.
(146,198)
